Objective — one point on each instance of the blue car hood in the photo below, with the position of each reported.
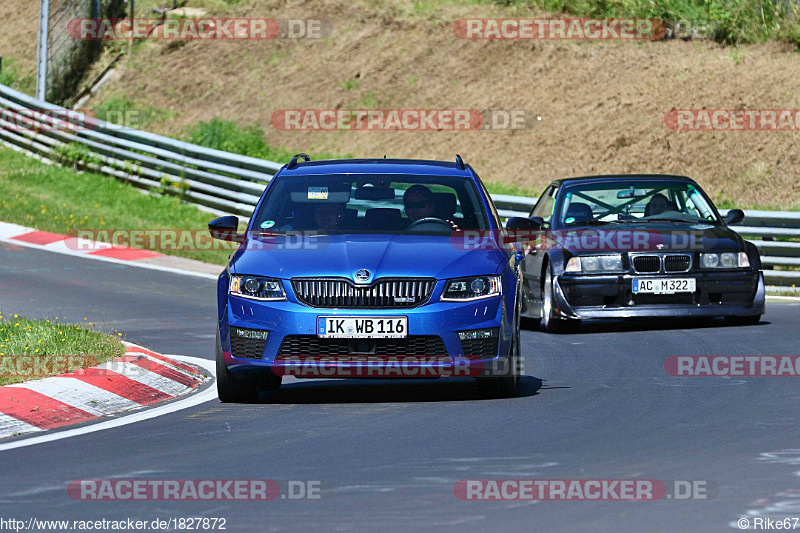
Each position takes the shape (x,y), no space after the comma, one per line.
(383,255)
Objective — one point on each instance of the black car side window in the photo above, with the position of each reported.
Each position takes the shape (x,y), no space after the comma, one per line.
(544,207)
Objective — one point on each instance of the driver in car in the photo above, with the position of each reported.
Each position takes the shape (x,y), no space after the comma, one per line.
(419,204)
(658,204)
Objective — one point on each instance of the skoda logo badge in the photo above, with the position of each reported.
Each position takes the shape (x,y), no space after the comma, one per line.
(363,275)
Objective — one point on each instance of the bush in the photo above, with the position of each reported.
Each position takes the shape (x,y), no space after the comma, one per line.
(725,21)
(228,136)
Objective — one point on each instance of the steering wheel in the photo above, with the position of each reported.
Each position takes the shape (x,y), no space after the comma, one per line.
(430,220)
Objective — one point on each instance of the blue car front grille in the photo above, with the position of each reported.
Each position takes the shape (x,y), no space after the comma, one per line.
(382,293)
(311,346)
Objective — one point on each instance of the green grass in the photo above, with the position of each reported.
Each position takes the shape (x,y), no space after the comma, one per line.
(32,349)
(125,112)
(349,84)
(10,77)
(513,190)
(725,21)
(244,140)
(61,200)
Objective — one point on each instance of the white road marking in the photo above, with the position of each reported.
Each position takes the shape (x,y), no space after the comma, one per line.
(206,395)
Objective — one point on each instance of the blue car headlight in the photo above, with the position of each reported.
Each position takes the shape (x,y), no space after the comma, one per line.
(472,288)
(257,288)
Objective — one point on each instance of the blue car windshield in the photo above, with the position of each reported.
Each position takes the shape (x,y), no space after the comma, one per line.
(391,204)
(633,200)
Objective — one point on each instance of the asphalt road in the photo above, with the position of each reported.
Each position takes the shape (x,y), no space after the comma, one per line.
(594,405)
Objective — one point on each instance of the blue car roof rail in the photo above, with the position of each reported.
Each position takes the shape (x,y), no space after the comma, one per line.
(460,162)
(293,162)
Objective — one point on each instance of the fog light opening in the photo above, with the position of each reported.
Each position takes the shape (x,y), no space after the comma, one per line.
(474,334)
(258,334)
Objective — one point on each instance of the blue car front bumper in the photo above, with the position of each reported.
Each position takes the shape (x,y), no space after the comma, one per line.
(291,320)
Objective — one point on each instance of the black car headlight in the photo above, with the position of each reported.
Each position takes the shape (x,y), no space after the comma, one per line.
(472,288)
(724,260)
(595,263)
(257,288)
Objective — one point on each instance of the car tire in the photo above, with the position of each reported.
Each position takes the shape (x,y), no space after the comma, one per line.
(750,320)
(505,385)
(550,322)
(530,324)
(231,388)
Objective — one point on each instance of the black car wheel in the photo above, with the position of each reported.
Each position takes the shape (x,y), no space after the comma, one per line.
(751,320)
(231,388)
(551,322)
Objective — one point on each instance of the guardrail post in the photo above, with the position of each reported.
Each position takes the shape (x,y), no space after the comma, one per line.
(44,31)
(130,41)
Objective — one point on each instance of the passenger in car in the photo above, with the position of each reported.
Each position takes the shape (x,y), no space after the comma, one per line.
(329,216)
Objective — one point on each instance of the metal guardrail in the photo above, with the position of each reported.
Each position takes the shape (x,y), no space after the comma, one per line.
(232,183)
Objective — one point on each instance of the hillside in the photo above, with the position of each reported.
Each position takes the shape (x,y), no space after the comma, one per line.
(602,104)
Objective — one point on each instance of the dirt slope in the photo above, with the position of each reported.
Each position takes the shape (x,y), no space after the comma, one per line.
(19,22)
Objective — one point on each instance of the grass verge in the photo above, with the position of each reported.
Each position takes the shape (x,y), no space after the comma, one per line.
(61,200)
(33,349)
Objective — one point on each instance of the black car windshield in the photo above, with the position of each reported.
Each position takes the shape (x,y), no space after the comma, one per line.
(393,204)
(632,201)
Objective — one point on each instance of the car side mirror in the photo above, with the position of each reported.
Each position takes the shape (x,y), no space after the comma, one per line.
(533,223)
(734,216)
(224,228)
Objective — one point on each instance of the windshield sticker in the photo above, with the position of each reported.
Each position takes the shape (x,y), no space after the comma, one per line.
(569,220)
(317,193)
(267,224)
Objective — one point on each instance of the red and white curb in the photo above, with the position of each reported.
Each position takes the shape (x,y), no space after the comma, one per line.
(136,379)
(65,243)
(103,251)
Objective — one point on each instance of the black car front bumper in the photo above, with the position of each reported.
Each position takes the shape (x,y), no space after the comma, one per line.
(731,293)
